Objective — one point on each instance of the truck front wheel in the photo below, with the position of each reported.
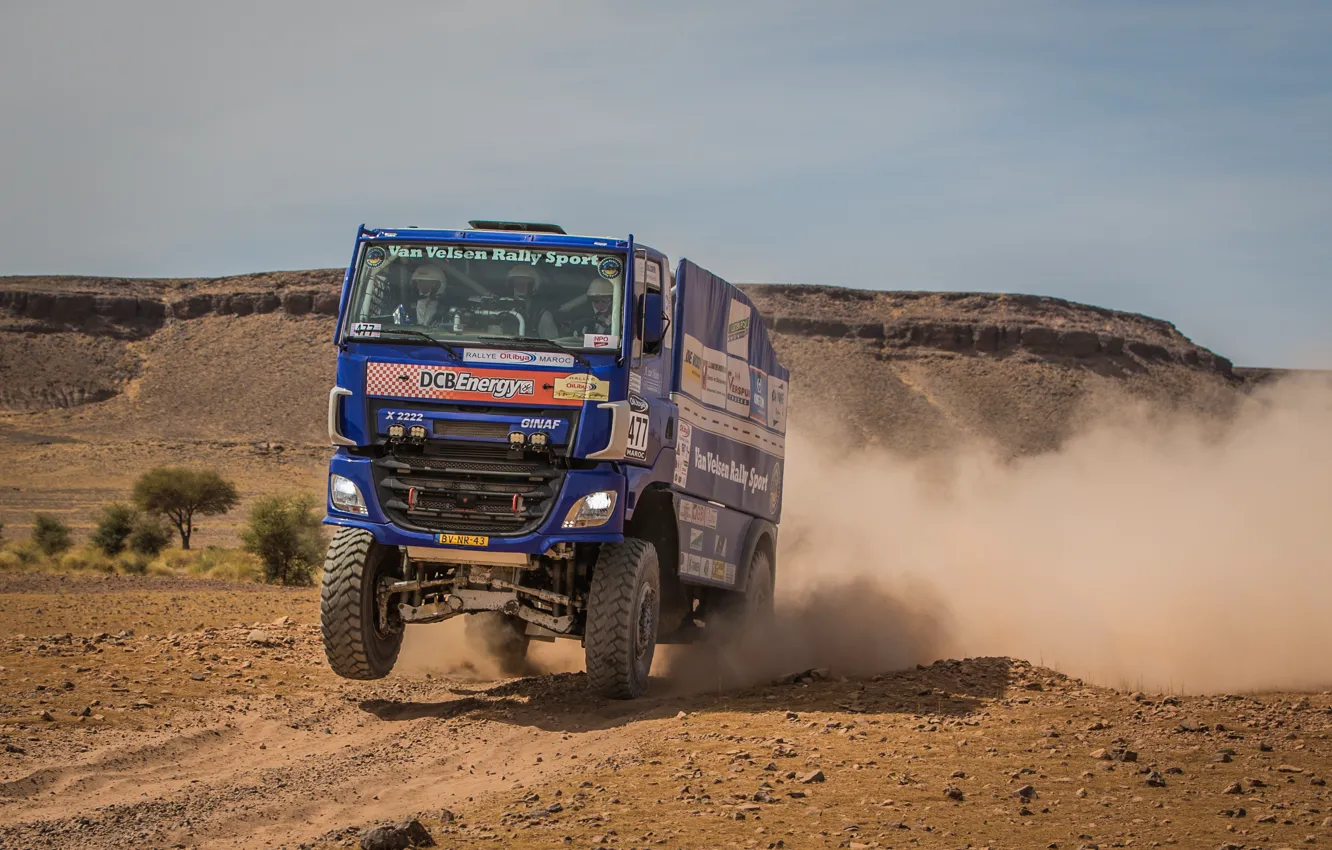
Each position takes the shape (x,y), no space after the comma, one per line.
(361,636)
(623,608)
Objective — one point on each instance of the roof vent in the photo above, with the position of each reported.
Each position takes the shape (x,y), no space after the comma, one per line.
(522,226)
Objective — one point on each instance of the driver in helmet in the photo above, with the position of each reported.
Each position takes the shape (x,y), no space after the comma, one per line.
(524,281)
(427,285)
(600,297)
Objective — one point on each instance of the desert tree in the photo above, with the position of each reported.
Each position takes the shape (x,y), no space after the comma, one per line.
(179,494)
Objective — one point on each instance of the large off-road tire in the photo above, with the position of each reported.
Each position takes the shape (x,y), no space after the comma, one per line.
(359,640)
(623,610)
(502,637)
(750,613)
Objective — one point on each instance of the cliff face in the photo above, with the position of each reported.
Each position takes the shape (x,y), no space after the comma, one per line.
(250,358)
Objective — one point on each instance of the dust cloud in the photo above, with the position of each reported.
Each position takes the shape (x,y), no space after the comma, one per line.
(1158,552)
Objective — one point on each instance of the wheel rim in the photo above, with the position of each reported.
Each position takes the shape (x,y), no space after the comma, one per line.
(647,621)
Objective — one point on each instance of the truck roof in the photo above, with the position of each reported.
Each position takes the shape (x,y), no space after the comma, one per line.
(504,237)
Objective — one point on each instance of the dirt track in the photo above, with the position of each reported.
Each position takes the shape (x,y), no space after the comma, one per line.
(247,740)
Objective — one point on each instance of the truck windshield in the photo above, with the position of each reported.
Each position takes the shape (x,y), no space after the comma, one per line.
(471,293)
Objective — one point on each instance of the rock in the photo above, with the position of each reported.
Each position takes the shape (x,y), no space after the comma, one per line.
(1264,747)
(1026,792)
(326,304)
(1289,768)
(1082,793)
(1101,753)
(282,621)
(297,303)
(258,637)
(142,704)
(48,716)
(399,836)
(1234,788)
(681,715)
(446,816)
(1155,780)
(952,792)
(1079,343)
(555,808)
(814,776)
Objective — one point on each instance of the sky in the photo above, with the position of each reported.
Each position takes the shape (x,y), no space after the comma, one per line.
(1168,158)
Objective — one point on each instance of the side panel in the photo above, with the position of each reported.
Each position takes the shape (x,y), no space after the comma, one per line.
(732,397)
(712,541)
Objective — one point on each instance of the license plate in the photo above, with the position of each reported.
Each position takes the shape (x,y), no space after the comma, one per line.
(463,540)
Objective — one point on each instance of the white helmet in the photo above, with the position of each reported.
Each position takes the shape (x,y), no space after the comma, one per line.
(601,290)
(524,273)
(432,274)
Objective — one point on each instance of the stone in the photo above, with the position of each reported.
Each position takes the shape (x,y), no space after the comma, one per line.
(1289,768)
(813,776)
(1155,779)
(257,636)
(399,836)
(297,303)
(952,792)
(1234,788)
(1079,343)
(1100,753)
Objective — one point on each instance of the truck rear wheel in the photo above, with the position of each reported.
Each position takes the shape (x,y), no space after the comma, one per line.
(623,609)
(502,637)
(361,636)
(749,613)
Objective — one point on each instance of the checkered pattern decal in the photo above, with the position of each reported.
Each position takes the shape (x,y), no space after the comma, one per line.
(458,383)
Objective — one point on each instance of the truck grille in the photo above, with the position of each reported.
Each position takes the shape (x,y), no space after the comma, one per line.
(466,488)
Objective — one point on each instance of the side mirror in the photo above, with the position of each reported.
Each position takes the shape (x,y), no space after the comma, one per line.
(649,311)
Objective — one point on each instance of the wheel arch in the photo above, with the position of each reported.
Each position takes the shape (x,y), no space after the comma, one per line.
(761,535)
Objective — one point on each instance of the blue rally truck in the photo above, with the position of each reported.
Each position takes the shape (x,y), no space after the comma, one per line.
(556,435)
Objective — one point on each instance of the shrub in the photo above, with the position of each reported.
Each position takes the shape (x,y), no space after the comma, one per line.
(114,527)
(178,494)
(285,532)
(50,535)
(150,535)
(133,563)
(228,564)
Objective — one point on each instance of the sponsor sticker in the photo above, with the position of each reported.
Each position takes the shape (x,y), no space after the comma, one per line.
(714,378)
(637,403)
(777,404)
(775,488)
(653,274)
(601,341)
(639,428)
(710,569)
(758,395)
(696,539)
(696,513)
(541,423)
(521,358)
(635,382)
(374,256)
(683,438)
(367,329)
(463,540)
(738,386)
(719,546)
(737,329)
(455,383)
(610,267)
(692,366)
(581,387)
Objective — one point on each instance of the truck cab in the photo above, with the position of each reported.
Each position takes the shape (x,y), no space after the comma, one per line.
(558,436)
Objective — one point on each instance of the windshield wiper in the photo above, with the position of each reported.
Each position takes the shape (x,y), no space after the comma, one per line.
(541,340)
(409,332)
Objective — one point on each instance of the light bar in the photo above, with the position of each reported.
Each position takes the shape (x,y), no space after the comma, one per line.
(397,431)
(516,439)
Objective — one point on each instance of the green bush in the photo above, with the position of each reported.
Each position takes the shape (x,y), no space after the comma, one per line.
(178,494)
(50,535)
(114,527)
(150,535)
(133,563)
(285,532)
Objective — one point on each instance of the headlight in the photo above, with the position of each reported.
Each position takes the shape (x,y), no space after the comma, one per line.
(591,510)
(345,495)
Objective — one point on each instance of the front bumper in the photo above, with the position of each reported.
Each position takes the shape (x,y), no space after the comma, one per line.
(576,484)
